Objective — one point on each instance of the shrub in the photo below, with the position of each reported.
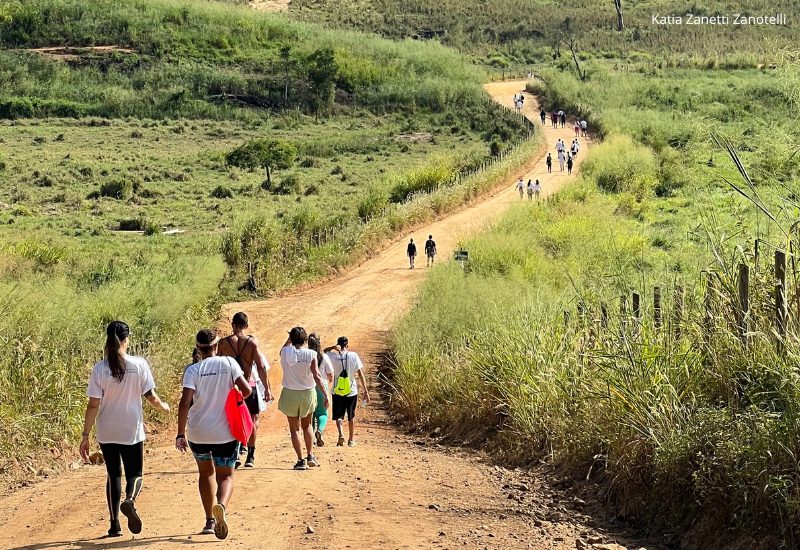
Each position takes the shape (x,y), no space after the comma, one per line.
(424,179)
(221,192)
(118,188)
(617,165)
(373,203)
(290,185)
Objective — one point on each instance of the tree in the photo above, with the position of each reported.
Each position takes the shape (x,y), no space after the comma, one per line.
(269,154)
(620,22)
(323,72)
(569,41)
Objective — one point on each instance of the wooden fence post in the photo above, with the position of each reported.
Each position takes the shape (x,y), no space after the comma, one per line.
(743,311)
(781,312)
(623,313)
(657,307)
(677,313)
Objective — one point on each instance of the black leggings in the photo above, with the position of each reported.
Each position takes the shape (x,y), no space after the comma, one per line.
(115,456)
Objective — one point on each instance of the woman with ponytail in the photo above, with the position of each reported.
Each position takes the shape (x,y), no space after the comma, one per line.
(320,419)
(116,387)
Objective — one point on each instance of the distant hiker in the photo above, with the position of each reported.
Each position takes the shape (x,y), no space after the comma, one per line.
(299,396)
(521,188)
(517,105)
(530,190)
(569,164)
(347,367)
(244,349)
(206,387)
(577,128)
(537,190)
(430,250)
(562,117)
(583,127)
(411,252)
(575,147)
(522,98)
(549,162)
(543,116)
(115,391)
(554,119)
(560,147)
(561,160)
(320,419)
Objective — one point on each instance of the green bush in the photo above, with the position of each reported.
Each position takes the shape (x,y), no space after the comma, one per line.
(291,184)
(221,192)
(618,165)
(117,188)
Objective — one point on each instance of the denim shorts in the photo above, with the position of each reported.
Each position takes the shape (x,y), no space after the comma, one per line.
(223,454)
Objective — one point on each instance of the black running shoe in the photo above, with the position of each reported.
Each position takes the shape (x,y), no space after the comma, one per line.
(129,511)
(115,530)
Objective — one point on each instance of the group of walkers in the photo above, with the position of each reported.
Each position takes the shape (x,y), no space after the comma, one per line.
(219,366)
(566,155)
(519,101)
(559,119)
(430,251)
(534,189)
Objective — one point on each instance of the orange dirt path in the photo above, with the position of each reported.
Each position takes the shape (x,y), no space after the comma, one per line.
(389,492)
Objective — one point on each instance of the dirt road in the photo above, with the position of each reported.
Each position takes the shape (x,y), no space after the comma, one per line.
(388,492)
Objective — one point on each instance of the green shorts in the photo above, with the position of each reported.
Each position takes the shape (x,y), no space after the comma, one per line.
(297,403)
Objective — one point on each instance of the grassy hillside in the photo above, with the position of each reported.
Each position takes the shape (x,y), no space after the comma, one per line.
(522,32)
(121,128)
(684,427)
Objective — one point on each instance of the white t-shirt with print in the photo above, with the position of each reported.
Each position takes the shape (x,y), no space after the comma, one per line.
(120,418)
(296,366)
(349,360)
(212,380)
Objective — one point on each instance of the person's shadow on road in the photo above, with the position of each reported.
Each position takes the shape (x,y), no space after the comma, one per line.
(119,542)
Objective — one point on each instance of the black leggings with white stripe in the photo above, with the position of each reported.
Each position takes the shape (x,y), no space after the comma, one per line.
(116,456)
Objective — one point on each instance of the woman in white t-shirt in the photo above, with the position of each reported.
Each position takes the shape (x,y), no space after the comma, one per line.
(320,419)
(206,386)
(116,387)
(298,396)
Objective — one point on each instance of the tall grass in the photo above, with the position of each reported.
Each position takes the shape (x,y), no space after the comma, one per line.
(56,299)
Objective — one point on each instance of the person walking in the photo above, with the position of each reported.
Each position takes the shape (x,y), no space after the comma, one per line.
(563,116)
(116,386)
(430,250)
(561,159)
(521,188)
(530,190)
(206,386)
(537,190)
(575,147)
(560,147)
(244,349)
(569,164)
(347,367)
(543,115)
(577,127)
(554,119)
(298,396)
(549,162)
(584,126)
(320,419)
(411,252)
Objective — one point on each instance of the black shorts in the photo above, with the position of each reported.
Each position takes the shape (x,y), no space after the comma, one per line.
(344,404)
(252,401)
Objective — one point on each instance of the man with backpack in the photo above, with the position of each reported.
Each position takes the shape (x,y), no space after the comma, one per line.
(244,349)
(411,252)
(430,250)
(347,367)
